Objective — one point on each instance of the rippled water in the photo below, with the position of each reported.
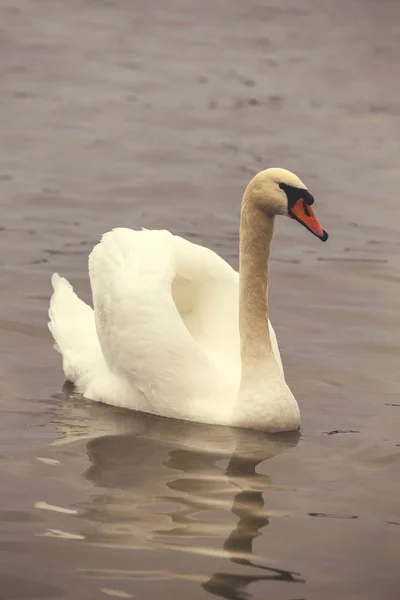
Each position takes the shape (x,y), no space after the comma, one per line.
(156,115)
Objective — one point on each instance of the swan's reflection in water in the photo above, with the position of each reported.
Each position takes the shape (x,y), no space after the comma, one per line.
(170,485)
(248,506)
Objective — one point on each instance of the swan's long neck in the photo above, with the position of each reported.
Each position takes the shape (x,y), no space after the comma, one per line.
(256,231)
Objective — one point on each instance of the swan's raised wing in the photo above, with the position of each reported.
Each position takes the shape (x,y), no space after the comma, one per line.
(140,284)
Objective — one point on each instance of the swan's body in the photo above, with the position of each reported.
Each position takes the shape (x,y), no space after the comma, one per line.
(173,331)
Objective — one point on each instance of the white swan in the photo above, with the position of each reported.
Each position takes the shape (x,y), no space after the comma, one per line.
(175,331)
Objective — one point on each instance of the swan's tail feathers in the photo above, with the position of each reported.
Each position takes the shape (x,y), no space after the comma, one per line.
(73,328)
(62,289)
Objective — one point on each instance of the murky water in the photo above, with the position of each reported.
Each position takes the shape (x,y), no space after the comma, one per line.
(156,114)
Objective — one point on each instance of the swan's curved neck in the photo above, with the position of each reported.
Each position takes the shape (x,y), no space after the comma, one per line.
(256,231)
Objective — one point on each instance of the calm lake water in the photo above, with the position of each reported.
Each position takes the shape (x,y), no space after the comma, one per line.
(156,114)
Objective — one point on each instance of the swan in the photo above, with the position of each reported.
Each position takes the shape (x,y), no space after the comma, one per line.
(175,331)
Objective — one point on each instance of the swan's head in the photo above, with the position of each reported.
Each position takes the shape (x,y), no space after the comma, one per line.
(280,192)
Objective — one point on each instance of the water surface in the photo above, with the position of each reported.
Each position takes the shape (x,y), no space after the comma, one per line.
(156,115)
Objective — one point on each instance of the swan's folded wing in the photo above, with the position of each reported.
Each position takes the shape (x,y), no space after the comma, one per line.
(206,292)
(141,332)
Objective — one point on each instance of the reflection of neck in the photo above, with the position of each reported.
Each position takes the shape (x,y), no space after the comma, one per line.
(256,231)
(247,506)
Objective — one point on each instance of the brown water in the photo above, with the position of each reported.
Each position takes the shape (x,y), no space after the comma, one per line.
(156,114)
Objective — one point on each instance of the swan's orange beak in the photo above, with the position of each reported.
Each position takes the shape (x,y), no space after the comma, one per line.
(303,213)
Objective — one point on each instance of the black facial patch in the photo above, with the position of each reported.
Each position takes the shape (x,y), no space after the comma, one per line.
(294,193)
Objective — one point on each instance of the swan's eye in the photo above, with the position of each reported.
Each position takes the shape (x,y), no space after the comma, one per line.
(292,193)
